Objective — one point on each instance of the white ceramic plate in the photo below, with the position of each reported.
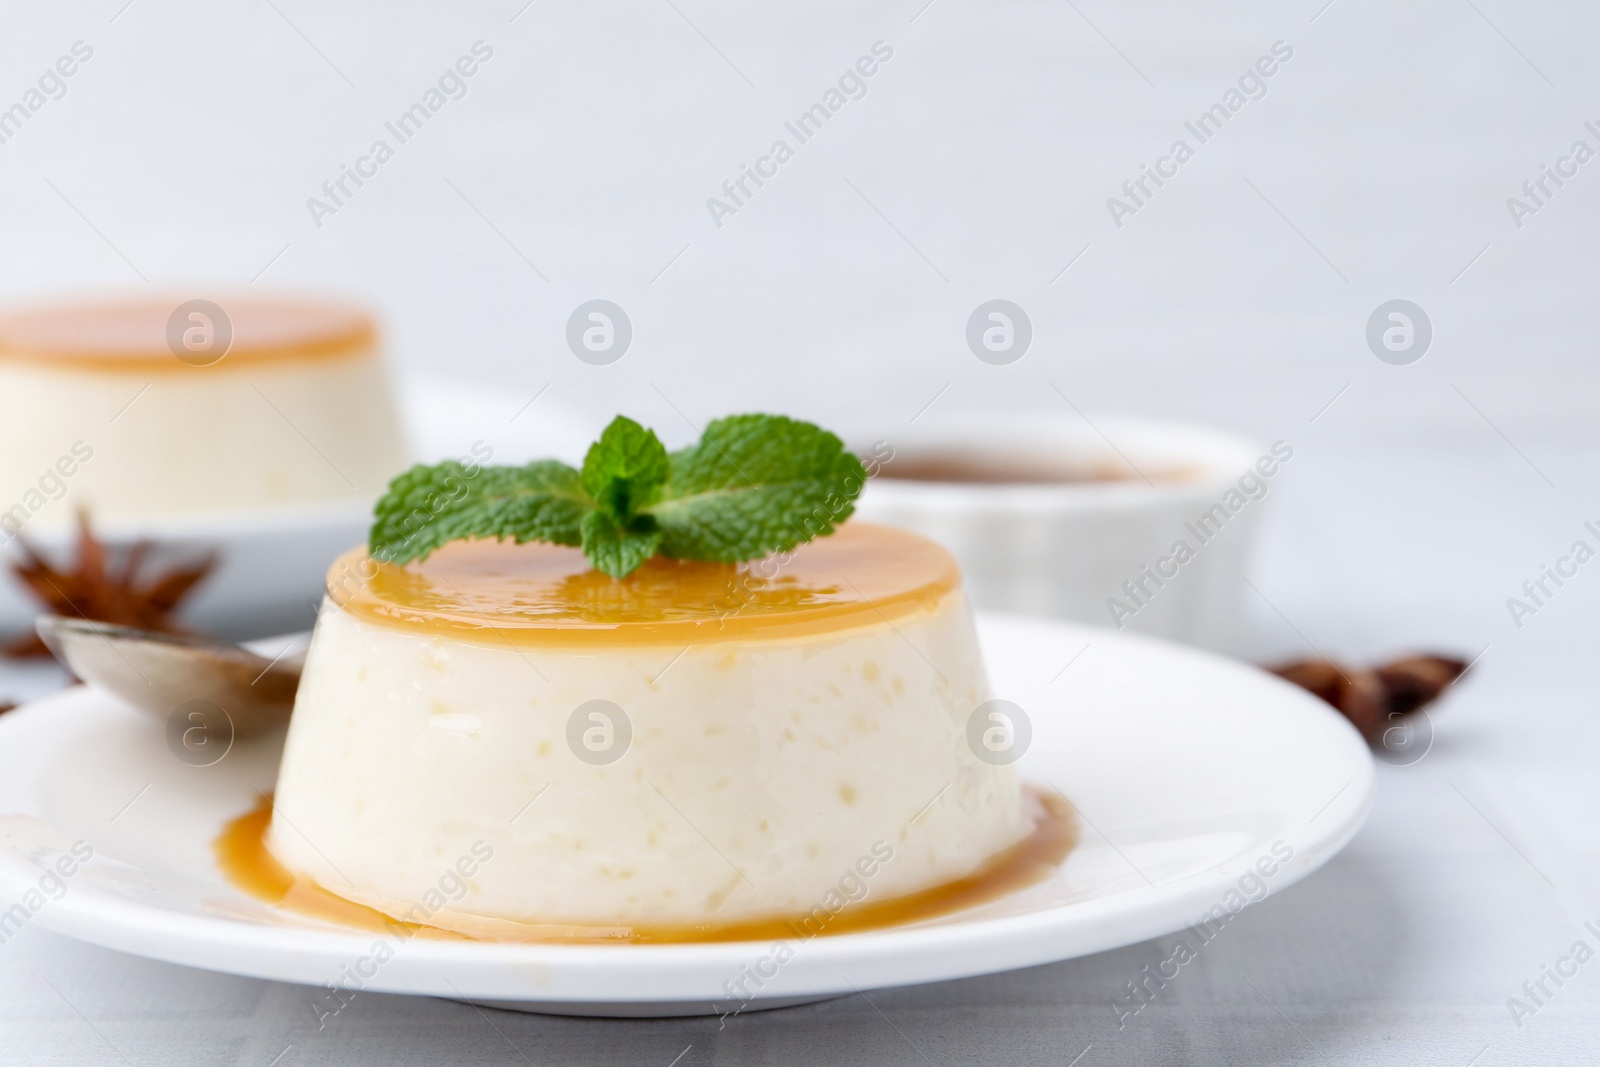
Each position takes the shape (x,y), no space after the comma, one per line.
(1199,783)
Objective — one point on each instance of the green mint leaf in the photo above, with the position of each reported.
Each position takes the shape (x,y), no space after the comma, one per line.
(755,484)
(624,470)
(616,549)
(429,506)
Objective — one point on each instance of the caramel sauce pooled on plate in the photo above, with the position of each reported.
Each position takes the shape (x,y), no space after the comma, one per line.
(242,854)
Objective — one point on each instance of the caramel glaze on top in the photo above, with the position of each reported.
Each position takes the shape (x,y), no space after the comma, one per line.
(547,595)
(129,335)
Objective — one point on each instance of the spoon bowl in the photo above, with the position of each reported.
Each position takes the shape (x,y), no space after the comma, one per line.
(160,673)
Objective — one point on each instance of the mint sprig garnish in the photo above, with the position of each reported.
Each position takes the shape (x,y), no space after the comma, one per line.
(429,506)
(753,485)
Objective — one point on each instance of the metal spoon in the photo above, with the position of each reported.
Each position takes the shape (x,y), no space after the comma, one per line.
(160,673)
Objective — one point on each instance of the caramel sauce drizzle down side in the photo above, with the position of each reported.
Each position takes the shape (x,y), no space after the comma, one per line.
(242,854)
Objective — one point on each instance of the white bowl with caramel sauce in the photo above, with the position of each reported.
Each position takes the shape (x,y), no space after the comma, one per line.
(1135,524)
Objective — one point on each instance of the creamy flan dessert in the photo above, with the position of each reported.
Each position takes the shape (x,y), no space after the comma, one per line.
(695,745)
(148,406)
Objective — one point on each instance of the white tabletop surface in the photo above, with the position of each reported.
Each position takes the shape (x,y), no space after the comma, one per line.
(1476,868)
(1377,166)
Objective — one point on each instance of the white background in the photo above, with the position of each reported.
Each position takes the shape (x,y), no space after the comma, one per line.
(978,166)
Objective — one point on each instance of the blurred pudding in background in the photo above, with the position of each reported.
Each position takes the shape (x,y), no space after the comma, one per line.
(148,408)
(253,429)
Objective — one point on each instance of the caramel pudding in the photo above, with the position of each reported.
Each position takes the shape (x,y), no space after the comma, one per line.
(147,407)
(696,745)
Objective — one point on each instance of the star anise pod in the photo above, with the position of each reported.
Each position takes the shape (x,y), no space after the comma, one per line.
(1373,699)
(103,584)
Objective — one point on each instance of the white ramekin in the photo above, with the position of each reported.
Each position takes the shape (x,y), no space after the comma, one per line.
(1103,553)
